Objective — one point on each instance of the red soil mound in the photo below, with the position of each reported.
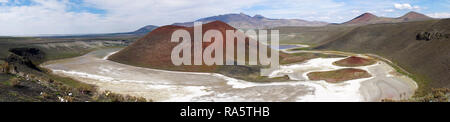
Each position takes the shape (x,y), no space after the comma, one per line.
(354,61)
(154,50)
(339,75)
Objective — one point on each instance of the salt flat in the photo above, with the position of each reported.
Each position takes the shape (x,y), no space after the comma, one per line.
(161,85)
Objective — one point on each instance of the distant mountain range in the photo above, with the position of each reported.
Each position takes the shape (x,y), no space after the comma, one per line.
(368,18)
(144,30)
(243,21)
(138,33)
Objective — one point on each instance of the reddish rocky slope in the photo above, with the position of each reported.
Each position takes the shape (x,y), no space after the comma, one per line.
(154,51)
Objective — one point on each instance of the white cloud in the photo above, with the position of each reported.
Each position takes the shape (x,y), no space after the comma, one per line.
(406,6)
(356,11)
(439,15)
(3,1)
(46,17)
(389,10)
(56,17)
(373,12)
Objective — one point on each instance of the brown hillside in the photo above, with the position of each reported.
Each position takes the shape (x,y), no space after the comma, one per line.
(428,61)
(414,16)
(368,18)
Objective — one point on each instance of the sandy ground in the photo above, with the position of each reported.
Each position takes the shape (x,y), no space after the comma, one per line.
(160,85)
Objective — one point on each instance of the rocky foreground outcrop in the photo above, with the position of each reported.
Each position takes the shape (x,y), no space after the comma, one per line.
(23,58)
(434,35)
(3,66)
(21,80)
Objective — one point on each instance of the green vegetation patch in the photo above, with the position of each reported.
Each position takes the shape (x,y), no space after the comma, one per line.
(300,49)
(436,95)
(301,57)
(71,83)
(5,78)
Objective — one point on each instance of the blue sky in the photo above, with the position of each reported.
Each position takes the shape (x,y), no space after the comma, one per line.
(34,17)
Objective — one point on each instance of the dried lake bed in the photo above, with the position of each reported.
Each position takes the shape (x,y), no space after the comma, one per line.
(171,86)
